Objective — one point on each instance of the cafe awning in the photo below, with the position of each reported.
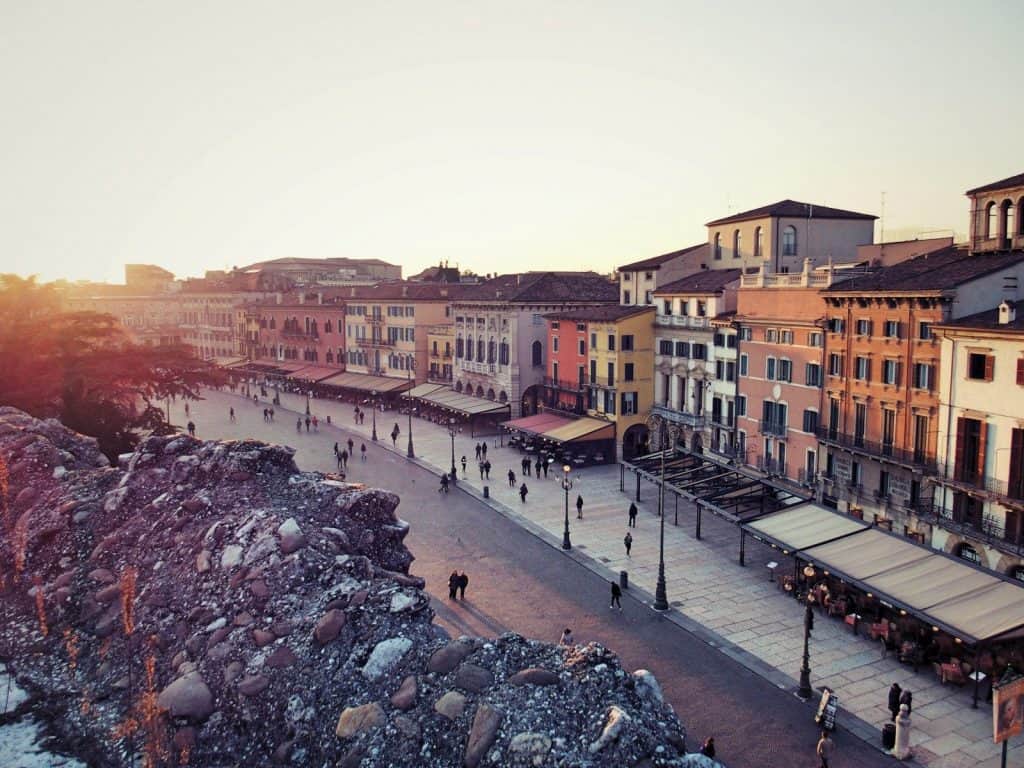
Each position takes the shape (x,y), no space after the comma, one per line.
(227,362)
(582,430)
(366,383)
(538,424)
(424,389)
(314,373)
(802,526)
(467,405)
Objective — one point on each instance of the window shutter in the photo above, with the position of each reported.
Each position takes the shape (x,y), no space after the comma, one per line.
(867,370)
(980,459)
(1020,371)
(990,367)
(1011,528)
(958,466)
(1016,482)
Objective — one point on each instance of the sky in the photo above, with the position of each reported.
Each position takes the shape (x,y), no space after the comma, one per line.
(496,136)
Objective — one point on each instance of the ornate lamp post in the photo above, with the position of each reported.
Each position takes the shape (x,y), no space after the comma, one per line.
(670,431)
(408,375)
(373,406)
(453,430)
(804,692)
(567,486)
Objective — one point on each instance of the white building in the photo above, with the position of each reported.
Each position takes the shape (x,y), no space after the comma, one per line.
(638,281)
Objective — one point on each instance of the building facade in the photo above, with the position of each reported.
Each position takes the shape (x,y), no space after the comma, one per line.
(997,215)
(302,328)
(638,281)
(440,353)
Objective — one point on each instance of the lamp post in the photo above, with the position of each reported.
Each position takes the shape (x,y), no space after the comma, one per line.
(567,486)
(408,375)
(804,692)
(453,430)
(307,402)
(669,431)
(373,406)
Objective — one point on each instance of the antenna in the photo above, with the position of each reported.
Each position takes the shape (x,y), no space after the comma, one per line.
(881,220)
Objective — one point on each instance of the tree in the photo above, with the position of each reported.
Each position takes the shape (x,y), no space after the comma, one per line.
(81,368)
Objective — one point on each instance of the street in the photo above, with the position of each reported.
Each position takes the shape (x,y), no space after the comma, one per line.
(520,583)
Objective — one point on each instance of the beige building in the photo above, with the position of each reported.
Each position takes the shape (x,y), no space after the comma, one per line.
(638,281)
(440,353)
(997,215)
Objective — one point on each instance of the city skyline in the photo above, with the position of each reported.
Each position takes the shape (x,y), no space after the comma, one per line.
(497,140)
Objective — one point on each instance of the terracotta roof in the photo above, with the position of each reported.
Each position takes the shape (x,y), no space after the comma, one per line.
(601,314)
(793,209)
(539,287)
(655,262)
(394,291)
(1010,181)
(707,281)
(936,271)
(990,320)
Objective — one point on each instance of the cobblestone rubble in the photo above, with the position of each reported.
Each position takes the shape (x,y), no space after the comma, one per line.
(272,620)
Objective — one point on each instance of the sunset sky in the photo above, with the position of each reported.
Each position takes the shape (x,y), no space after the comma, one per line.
(499,136)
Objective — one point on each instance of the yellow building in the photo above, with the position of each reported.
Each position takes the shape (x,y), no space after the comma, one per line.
(440,347)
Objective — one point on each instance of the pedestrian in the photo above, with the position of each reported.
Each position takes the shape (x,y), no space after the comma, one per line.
(463,583)
(463,466)
(328,419)
(307,423)
(355,415)
(351,447)
(192,429)
(362,449)
(536,467)
(186,409)
(362,417)
(708,748)
(394,436)
(894,700)
(344,458)
(231,414)
(298,425)
(453,585)
(616,596)
(525,466)
(579,506)
(271,414)
(511,479)
(487,469)
(628,541)
(825,749)
(567,638)
(266,416)
(336,451)
(523,490)
(544,466)
(483,449)
(255,400)
(316,424)
(632,515)
(478,451)
(481,467)
(907,698)
(337,458)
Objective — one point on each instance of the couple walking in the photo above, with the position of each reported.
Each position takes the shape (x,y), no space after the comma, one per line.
(457,584)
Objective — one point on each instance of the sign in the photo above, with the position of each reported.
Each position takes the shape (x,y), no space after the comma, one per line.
(1007,709)
(827,709)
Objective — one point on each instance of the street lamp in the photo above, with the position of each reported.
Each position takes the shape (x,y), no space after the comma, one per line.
(453,430)
(567,485)
(408,375)
(804,692)
(670,431)
(307,401)
(373,406)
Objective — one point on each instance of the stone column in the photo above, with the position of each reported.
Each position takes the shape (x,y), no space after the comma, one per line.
(902,749)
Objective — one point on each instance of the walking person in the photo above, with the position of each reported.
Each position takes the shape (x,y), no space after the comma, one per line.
(825,749)
(463,466)
(567,638)
(478,451)
(480,466)
(616,596)
(351,447)
(453,585)
(341,464)
(523,490)
(316,424)
(536,467)
(487,469)
(708,748)
(463,583)
(271,414)
(344,458)
(628,541)
(298,425)
(632,515)
(894,700)
(907,698)
(336,451)
(308,421)
(186,409)
(511,479)
(483,450)
(394,437)
(231,414)
(525,466)
(362,449)
(191,429)
(544,466)
(579,506)
(266,415)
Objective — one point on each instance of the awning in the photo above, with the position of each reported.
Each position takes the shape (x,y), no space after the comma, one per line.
(366,383)
(314,373)
(538,424)
(582,430)
(989,613)
(225,362)
(867,554)
(468,405)
(424,389)
(803,526)
(288,368)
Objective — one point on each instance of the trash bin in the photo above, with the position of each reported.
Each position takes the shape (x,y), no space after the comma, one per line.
(889,735)
(624,579)
(487,492)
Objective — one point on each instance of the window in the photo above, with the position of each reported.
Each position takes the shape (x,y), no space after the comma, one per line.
(593,341)
(856,474)
(684,308)
(744,363)
(664,347)
(991,224)
(648,275)
(980,366)
(1020,371)
(554,371)
(786,337)
(581,327)
(888,430)
(812,375)
(810,421)
(702,308)
(627,343)
(699,352)
(758,242)
(581,347)
(789,241)
(719,369)
(891,372)
(611,374)
(836,325)
(628,403)
(718,246)
(627,297)
(922,376)
(966,552)
(862,370)
(815,339)
(737,242)
(648,297)
(924,331)
(785,370)
(835,364)
(892,329)
(627,374)
(771,335)
(719,339)
(537,354)
(682,349)
(667,305)
(741,405)
(554,343)
(883,484)
(503,352)
(769,368)
(459,347)
(593,371)
(730,371)
(863,327)
(746,333)
(555,325)
(611,342)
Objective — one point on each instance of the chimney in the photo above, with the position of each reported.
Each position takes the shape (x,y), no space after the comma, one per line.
(1007,313)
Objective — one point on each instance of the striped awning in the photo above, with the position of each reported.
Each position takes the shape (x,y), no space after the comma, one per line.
(366,383)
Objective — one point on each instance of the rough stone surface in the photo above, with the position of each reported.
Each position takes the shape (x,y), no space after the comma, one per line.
(359,628)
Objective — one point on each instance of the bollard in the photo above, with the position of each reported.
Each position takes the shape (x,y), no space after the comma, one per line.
(487,492)
(901,751)
(624,579)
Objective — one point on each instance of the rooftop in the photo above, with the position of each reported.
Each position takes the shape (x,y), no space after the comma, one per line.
(989,320)
(936,271)
(707,281)
(339,262)
(793,209)
(1007,183)
(607,314)
(655,262)
(539,287)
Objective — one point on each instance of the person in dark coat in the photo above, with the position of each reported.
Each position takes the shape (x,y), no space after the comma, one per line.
(628,542)
(708,750)
(616,596)
(453,585)
(344,458)
(894,700)
(907,698)
(487,469)
(579,506)
(463,466)
(511,479)
(463,583)
(523,490)
(483,450)
(536,467)
(632,515)
(477,451)
(544,466)
(351,447)
(191,429)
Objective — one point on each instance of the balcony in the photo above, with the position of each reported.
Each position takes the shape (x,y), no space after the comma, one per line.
(374,319)
(991,487)
(439,378)
(723,421)
(471,366)
(775,428)
(376,343)
(990,529)
(567,386)
(682,321)
(695,421)
(297,334)
(858,444)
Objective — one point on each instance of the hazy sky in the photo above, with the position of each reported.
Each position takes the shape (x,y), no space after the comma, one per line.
(501,136)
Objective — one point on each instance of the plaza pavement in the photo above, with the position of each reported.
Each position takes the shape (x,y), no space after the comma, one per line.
(736,609)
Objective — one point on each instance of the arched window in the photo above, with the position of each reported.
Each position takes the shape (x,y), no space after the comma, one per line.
(479,391)
(967,552)
(718,245)
(1020,217)
(481,349)
(459,347)
(273,324)
(991,224)
(492,351)
(469,348)
(537,357)
(503,352)
(458,386)
(737,242)
(758,242)
(503,398)
(789,241)
(1007,227)
(490,394)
